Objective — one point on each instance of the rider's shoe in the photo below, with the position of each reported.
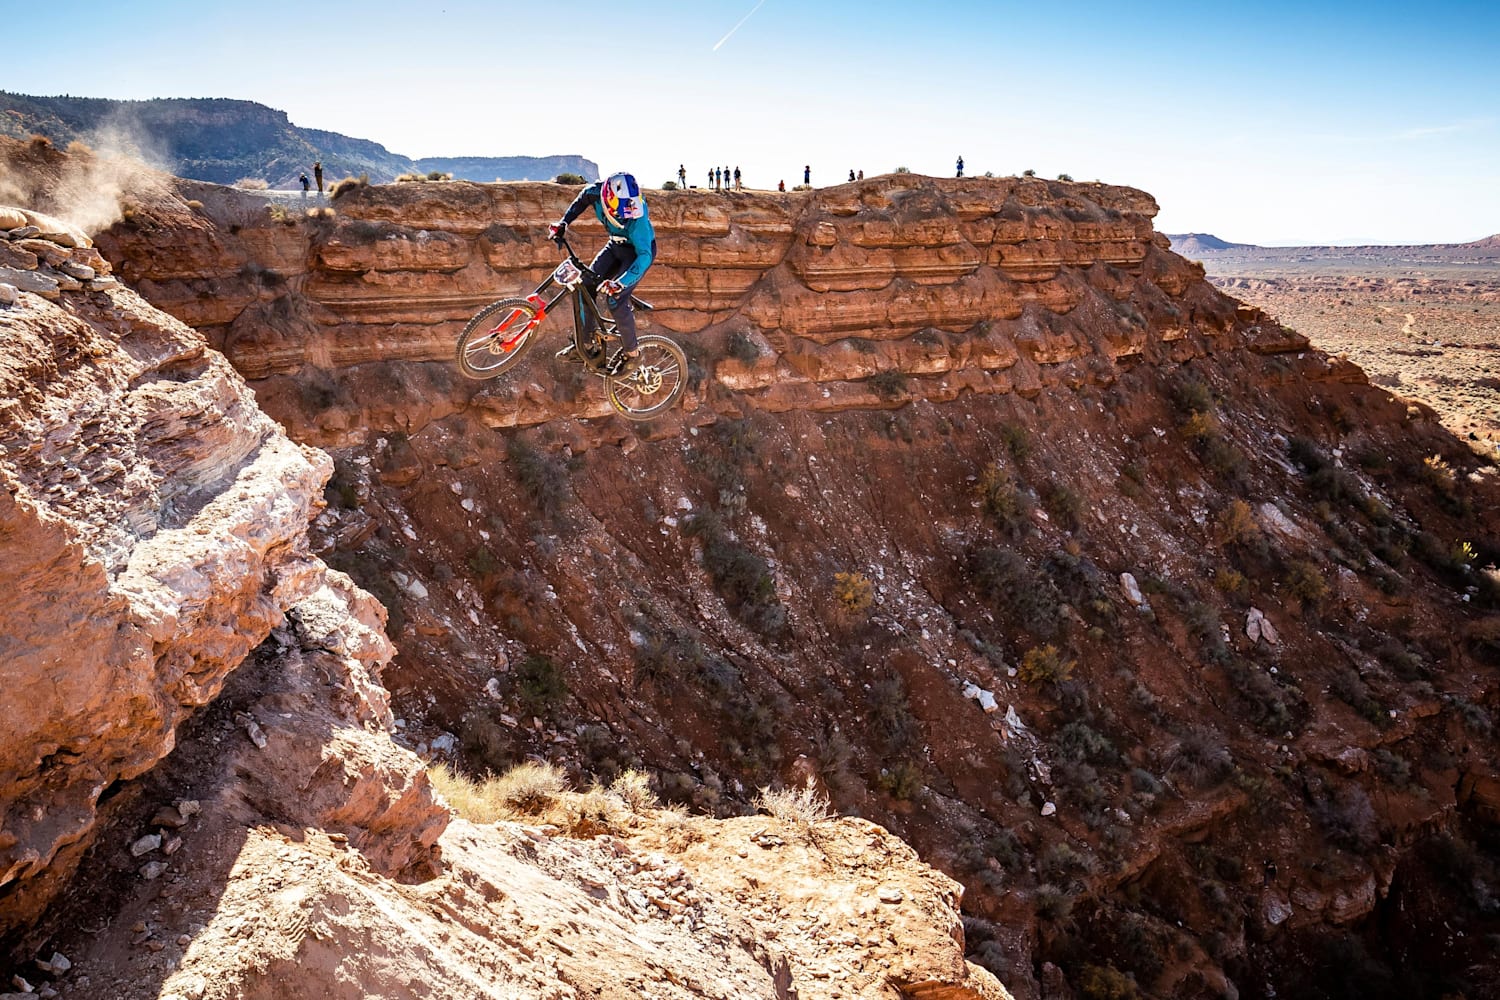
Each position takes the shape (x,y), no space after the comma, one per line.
(621,363)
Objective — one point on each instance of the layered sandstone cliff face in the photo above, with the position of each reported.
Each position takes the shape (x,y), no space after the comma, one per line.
(938,429)
(199,795)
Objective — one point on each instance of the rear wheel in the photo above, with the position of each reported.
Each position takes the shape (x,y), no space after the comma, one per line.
(656,382)
(497,338)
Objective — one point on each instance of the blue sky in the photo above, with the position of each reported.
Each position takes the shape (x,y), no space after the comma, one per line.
(1265,122)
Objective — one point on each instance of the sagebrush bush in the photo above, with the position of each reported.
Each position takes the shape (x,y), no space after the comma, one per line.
(1304,581)
(742,347)
(1004,500)
(1017,591)
(889,384)
(854,592)
(543,479)
(798,808)
(540,685)
(349,184)
(569,178)
(1045,665)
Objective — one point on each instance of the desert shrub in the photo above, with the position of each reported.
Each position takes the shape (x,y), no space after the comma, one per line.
(1231,582)
(1204,758)
(902,780)
(439,175)
(1006,848)
(1236,525)
(411,178)
(742,347)
(854,592)
(347,185)
(740,576)
(1065,177)
(798,808)
(542,478)
(1017,440)
(1349,688)
(1064,505)
(1017,591)
(1105,982)
(888,384)
(1189,395)
(890,716)
(1003,499)
(1268,702)
(1393,767)
(251,184)
(1053,903)
(1304,581)
(669,185)
(1080,742)
(1473,716)
(569,178)
(540,685)
(1061,862)
(483,562)
(1308,454)
(1346,816)
(902,170)
(1045,665)
(1028,172)
(1437,473)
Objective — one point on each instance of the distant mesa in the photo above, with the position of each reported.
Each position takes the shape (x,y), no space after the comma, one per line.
(1188,244)
(1488,243)
(223,141)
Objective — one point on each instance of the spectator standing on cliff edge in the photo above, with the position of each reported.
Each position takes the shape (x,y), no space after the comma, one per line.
(682,176)
(737,185)
(305,186)
(619,204)
(807,175)
(960,166)
(318,174)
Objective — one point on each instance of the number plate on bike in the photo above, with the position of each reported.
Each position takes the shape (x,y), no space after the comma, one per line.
(567,272)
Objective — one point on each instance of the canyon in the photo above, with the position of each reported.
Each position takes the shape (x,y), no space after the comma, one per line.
(1168,640)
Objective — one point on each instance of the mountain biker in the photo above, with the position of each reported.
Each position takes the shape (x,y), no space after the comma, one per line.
(618,203)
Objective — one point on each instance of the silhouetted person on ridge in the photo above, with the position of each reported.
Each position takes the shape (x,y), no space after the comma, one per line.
(807,175)
(737,185)
(861,175)
(682,176)
(851,175)
(318,174)
(305,186)
(960,166)
(781,186)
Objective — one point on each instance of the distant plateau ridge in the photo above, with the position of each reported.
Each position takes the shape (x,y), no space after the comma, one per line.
(223,141)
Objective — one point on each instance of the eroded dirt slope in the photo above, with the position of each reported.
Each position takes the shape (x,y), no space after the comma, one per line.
(934,426)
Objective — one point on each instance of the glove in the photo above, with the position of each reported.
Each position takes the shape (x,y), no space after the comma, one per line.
(611,287)
(556,231)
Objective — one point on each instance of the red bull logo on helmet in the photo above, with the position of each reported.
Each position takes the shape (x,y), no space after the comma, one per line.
(621,196)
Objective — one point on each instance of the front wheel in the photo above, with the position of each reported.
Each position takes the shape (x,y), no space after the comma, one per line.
(497,338)
(654,384)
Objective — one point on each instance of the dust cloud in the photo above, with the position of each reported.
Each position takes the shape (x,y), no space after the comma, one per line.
(91,185)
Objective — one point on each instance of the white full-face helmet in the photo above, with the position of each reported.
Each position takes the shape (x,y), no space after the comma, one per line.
(622,197)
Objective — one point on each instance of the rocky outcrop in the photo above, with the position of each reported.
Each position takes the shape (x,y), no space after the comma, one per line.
(153,530)
(985,286)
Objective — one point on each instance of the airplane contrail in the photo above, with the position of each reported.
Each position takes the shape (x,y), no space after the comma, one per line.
(737,26)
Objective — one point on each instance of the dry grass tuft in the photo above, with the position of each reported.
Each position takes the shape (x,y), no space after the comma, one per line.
(539,794)
(799,808)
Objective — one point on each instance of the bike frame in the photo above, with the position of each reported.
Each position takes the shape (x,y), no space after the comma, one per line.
(585,280)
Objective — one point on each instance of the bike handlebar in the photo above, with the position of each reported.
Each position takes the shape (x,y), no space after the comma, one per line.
(561,239)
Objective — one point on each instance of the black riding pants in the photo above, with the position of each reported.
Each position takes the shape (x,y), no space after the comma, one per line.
(615,259)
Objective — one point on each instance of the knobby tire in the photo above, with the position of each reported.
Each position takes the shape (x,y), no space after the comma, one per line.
(656,383)
(479,352)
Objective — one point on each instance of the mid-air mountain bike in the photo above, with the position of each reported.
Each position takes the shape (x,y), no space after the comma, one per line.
(502,333)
